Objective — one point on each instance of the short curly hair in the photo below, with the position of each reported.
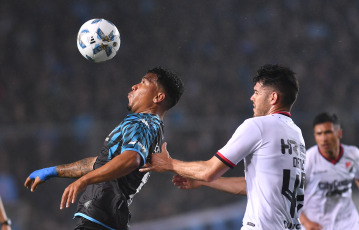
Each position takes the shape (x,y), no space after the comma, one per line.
(171,83)
(280,78)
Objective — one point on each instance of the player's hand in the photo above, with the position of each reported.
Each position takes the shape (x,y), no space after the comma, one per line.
(160,162)
(33,183)
(40,176)
(185,183)
(71,192)
(310,225)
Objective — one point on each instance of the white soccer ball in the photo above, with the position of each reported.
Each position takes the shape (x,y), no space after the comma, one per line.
(98,40)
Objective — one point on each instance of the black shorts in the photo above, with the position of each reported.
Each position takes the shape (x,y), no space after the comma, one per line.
(85,224)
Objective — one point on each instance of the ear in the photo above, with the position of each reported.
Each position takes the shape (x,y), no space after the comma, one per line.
(340,134)
(159,97)
(274,98)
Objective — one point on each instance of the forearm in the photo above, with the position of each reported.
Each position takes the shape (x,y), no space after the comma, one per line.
(199,170)
(76,169)
(3,215)
(234,185)
(119,166)
(304,219)
(356,182)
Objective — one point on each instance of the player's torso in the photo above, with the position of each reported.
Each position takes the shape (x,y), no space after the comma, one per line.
(329,187)
(275,174)
(331,179)
(107,202)
(122,137)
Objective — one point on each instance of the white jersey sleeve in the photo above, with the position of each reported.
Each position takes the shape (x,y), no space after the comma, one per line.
(244,141)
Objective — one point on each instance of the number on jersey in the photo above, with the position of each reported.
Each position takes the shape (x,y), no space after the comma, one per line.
(292,196)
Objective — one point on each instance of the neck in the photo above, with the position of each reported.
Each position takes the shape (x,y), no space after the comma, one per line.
(332,154)
(279,110)
(157,111)
(283,113)
(161,115)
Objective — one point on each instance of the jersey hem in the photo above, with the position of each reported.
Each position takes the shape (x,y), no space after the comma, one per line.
(92,219)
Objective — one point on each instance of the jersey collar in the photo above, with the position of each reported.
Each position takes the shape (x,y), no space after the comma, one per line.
(341,151)
(283,113)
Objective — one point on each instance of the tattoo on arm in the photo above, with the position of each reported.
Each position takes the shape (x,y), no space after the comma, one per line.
(76,169)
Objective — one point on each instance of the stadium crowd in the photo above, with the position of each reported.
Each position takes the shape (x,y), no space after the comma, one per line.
(57,107)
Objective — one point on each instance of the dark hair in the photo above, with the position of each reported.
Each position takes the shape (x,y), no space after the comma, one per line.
(171,83)
(326,117)
(282,79)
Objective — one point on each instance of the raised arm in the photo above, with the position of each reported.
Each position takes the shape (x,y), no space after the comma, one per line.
(72,170)
(234,185)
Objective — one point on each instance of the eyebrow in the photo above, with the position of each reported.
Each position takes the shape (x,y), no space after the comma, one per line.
(150,79)
(325,131)
(145,79)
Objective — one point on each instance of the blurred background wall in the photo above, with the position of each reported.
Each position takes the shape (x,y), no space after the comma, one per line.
(57,107)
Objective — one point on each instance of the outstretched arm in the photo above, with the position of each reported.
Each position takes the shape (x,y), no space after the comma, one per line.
(72,170)
(119,166)
(234,185)
(199,170)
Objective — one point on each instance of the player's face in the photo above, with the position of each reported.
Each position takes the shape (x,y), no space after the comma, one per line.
(261,100)
(140,99)
(327,136)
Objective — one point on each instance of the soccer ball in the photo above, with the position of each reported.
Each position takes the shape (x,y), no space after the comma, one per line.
(98,40)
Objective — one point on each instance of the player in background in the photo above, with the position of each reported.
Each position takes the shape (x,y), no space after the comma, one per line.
(273,150)
(5,222)
(111,179)
(330,169)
